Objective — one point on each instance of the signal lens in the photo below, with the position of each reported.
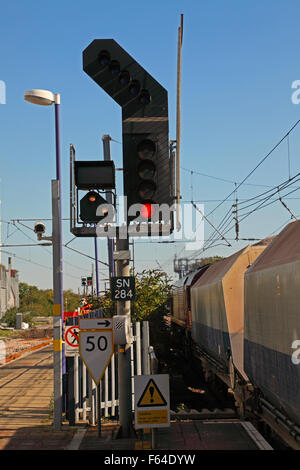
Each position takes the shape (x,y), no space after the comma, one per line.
(147,190)
(146,169)
(147,210)
(92,197)
(104,58)
(114,67)
(124,78)
(134,87)
(144,97)
(146,149)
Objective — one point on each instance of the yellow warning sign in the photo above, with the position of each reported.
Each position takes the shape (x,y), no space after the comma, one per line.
(151,396)
(152,417)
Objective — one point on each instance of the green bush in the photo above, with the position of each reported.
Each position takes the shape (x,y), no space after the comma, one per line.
(10,317)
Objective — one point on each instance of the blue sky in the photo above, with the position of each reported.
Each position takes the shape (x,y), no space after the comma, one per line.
(239,60)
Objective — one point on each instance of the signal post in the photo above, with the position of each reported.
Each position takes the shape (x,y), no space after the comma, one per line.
(146,176)
(122,258)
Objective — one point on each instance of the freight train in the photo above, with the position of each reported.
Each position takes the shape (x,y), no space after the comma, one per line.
(240,318)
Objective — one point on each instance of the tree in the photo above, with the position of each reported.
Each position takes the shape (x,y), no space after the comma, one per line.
(40,301)
(152,289)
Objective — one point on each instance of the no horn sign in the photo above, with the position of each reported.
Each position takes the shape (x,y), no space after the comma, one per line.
(123,288)
(71,340)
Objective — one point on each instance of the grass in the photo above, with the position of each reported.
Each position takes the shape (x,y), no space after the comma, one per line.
(7,333)
(50,411)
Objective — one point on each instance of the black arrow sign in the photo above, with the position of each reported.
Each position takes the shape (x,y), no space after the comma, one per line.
(106,323)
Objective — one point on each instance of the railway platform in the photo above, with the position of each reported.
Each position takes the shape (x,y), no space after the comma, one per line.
(181,436)
(26,386)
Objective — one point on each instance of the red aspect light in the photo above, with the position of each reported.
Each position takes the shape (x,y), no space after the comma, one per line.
(147,210)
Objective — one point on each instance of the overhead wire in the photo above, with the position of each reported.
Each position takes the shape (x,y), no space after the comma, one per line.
(273,191)
(219,178)
(49,252)
(256,167)
(259,204)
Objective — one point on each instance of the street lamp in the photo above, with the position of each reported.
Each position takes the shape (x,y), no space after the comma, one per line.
(47,98)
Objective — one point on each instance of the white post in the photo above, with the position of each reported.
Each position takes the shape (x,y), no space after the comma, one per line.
(113,386)
(76,386)
(145,348)
(138,348)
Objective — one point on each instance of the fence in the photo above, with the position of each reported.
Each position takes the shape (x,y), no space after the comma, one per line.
(82,396)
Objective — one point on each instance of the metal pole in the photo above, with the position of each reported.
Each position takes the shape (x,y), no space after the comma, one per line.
(57,309)
(110,241)
(59,240)
(123,308)
(96,267)
(99,408)
(146,365)
(71,396)
(99,385)
(178,122)
(85,391)
(133,257)
(58,177)
(76,386)
(124,355)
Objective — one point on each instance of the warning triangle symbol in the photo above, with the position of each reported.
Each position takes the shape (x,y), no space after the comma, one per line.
(151,396)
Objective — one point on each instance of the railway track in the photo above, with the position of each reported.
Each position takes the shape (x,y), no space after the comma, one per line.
(193,398)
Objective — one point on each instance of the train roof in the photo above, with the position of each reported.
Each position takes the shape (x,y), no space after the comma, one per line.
(179,283)
(188,280)
(265,241)
(283,249)
(218,270)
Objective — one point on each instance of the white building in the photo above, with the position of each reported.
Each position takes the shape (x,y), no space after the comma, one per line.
(9,288)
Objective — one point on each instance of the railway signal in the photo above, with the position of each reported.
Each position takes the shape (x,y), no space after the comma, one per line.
(93,208)
(93,176)
(145,127)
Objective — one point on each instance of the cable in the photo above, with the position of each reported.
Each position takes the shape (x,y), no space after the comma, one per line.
(257,166)
(83,254)
(261,202)
(220,179)
(261,206)
(33,262)
(49,252)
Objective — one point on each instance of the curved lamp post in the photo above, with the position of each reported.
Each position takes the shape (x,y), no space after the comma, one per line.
(47,98)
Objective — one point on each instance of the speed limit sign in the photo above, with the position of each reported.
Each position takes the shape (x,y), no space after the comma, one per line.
(95,347)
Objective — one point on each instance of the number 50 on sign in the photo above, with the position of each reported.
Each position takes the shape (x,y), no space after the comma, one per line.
(96,350)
